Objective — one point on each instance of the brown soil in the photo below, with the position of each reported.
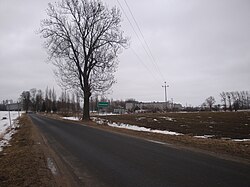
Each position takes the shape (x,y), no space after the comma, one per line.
(234,125)
(24,162)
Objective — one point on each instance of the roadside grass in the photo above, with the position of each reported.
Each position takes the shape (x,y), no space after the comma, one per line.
(23,163)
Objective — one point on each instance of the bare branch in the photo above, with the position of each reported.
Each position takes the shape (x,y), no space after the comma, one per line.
(83,39)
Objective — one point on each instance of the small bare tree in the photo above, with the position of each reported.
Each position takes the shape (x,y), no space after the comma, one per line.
(229,98)
(83,39)
(25,98)
(224,100)
(210,101)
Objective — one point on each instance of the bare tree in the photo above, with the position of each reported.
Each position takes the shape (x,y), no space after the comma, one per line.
(210,101)
(78,108)
(54,107)
(73,104)
(224,100)
(245,99)
(62,106)
(83,39)
(39,100)
(229,100)
(240,101)
(25,97)
(33,99)
(47,100)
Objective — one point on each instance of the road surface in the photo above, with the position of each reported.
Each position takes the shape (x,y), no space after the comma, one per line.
(101,158)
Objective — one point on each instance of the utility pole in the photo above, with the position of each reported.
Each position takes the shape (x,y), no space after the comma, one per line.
(165,89)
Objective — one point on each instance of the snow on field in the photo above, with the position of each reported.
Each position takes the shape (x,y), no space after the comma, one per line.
(7,129)
(224,138)
(140,118)
(167,118)
(144,129)
(107,114)
(134,127)
(204,136)
(71,118)
(240,140)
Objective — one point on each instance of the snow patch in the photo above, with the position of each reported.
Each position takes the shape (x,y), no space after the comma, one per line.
(107,114)
(52,166)
(141,118)
(143,129)
(204,136)
(168,118)
(7,129)
(71,118)
(98,120)
(132,127)
(240,140)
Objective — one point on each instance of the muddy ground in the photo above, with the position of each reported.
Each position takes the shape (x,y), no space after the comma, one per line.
(225,126)
(233,125)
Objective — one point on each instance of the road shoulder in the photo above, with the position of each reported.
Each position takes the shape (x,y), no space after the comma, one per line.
(23,163)
(29,160)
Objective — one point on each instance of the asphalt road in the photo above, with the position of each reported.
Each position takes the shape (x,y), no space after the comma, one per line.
(101,158)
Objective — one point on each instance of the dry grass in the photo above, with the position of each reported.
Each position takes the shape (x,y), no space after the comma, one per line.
(23,163)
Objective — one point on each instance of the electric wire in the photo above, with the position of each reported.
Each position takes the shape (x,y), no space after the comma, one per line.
(141,61)
(133,28)
(148,48)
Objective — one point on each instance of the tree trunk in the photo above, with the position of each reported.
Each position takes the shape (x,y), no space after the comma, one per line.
(86,115)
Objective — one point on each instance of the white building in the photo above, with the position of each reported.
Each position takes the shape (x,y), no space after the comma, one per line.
(156,106)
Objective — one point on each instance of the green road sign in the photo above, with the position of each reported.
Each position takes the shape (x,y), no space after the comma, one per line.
(103,104)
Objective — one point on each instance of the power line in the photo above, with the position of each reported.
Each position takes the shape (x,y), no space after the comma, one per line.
(140,60)
(138,27)
(150,56)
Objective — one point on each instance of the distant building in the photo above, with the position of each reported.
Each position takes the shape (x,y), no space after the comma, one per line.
(152,106)
(155,105)
(119,111)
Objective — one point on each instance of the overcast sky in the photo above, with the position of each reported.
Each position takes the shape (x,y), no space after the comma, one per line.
(200,47)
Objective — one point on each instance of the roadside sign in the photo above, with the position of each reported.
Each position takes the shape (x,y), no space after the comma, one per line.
(103,104)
